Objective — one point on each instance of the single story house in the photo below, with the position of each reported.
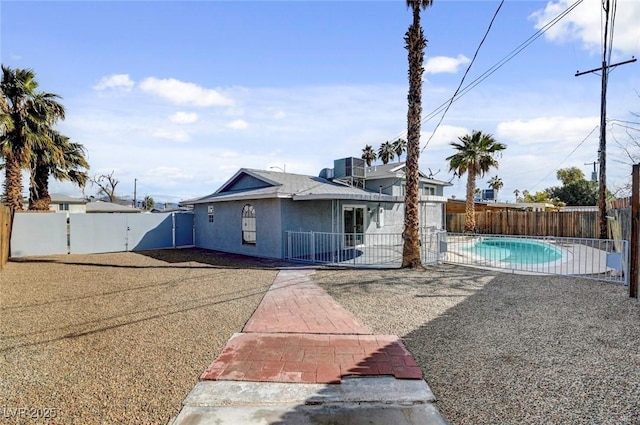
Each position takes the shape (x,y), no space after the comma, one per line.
(251,213)
(67,204)
(109,207)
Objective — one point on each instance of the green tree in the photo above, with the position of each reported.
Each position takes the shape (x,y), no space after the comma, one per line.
(65,162)
(570,175)
(496,184)
(386,152)
(415,44)
(148,203)
(575,189)
(26,126)
(399,147)
(476,156)
(369,155)
(581,192)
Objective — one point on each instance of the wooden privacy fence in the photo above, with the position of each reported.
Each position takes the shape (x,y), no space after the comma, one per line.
(575,224)
(5,234)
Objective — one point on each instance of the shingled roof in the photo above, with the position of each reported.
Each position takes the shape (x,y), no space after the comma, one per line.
(274,184)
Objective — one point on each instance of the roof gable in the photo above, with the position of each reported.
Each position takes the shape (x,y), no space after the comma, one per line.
(245,180)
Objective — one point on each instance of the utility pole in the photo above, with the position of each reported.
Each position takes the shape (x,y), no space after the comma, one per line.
(602,149)
(135,184)
(635,231)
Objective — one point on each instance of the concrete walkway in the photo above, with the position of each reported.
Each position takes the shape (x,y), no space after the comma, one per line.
(304,359)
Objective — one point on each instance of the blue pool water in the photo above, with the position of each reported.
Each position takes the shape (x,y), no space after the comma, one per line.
(516,251)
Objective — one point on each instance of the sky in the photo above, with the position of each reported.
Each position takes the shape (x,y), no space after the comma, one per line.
(174,97)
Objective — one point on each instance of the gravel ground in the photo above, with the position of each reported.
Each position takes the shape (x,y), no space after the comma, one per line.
(117,338)
(500,348)
(122,338)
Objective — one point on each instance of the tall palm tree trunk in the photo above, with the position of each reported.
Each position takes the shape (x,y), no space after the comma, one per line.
(39,198)
(470,209)
(415,44)
(13,182)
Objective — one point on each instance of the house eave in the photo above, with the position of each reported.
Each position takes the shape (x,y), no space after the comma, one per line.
(239,197)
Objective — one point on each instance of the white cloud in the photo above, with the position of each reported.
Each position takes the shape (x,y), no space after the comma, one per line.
(237,125)
(170,173)
(548,129)
(175,135)
(445,64)
(184,117)
(444,135)
(183,93)
(584,24)
(116,81)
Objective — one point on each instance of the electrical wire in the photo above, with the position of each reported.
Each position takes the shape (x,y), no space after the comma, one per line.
(567,157)
(475,55)
(497,66)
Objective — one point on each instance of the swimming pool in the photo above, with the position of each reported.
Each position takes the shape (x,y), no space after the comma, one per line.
(515,251)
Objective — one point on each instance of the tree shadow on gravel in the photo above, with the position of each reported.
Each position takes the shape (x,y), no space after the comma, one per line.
(183,258)
(508,348)
(530,350)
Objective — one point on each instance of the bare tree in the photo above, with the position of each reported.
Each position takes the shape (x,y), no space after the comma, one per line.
(106,185)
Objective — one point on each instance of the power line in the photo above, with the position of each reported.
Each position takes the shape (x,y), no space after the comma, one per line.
(567,157)
(475,55)
(499,64)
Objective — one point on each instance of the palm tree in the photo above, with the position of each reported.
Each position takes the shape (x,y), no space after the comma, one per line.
(386,152)
(475,156)
(148,203)
(369,155)
(517,195)
(30,116)
(415,44)
(65,162)
(400,147)
(496,184)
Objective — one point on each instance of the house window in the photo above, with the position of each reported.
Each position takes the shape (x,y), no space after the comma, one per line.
(248,225)
(210,213)
(63,207)
(429,190)
(403,189)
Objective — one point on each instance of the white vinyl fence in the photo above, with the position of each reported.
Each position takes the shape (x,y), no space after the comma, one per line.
(49,234)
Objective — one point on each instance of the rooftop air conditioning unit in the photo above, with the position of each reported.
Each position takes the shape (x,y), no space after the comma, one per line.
(349,167)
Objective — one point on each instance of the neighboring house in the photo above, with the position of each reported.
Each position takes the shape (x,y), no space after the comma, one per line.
(109,207)
(67,204)
(251,213)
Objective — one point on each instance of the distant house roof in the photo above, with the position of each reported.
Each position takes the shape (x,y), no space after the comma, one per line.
(257,184)
(58,198)
(109,207)
(397,169)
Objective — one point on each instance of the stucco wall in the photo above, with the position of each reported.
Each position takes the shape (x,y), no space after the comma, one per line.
(306,216)
(225,233)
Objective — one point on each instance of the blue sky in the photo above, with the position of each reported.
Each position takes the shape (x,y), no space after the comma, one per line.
(180,95)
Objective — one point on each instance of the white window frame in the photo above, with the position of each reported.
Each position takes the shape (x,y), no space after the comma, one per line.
(249,230)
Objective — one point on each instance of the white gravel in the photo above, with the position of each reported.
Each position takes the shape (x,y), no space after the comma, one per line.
(499,348)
